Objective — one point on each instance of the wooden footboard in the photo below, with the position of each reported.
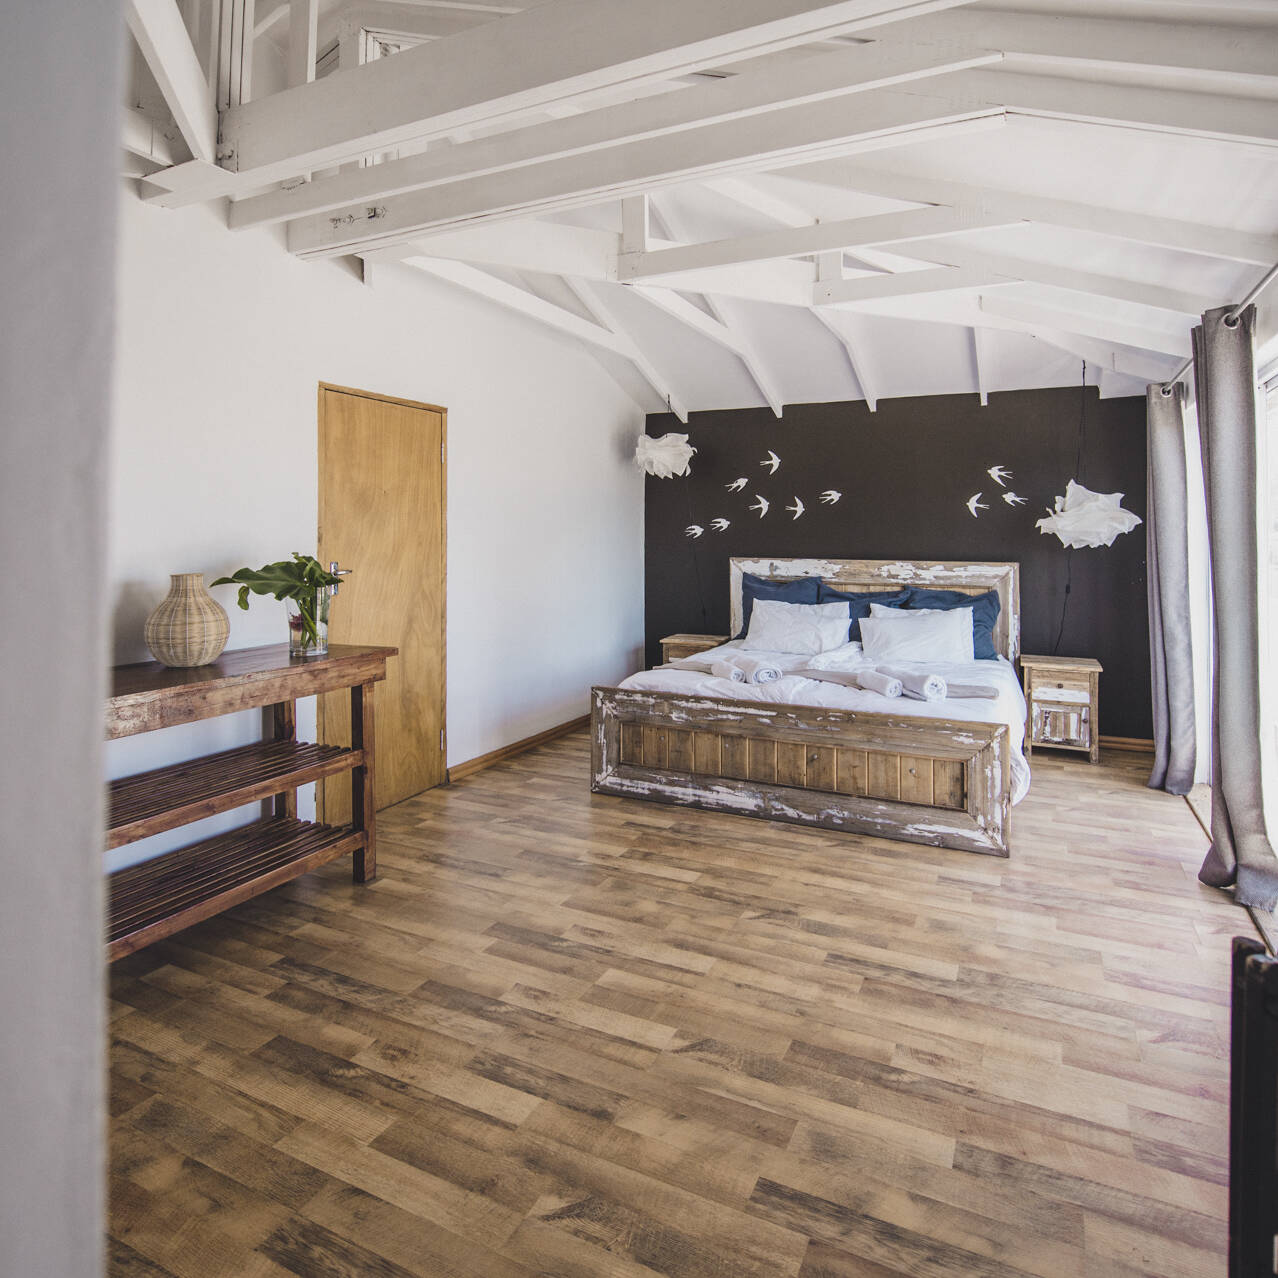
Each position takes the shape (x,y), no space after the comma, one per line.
(941,782)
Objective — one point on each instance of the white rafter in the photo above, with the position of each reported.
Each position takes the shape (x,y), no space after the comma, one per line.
(303,27)
(565,49)
(837,322)
(158,28)
(811,131)
(1226,59)
(592,299)
(1136,292)
(728,313)
(871,288)
(829,267)
(860,69)
(602,331)
(980,364)
(1142,228)
(1035,316)
(848,233)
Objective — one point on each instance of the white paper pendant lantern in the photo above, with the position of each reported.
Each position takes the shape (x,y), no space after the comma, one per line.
(1083,518)
(665,457)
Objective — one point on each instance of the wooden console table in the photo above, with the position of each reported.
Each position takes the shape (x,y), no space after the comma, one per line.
(161,896)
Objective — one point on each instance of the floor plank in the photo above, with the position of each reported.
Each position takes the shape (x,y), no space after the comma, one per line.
(571,1035)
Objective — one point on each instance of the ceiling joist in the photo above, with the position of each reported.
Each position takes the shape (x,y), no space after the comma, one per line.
(834,75)
(526,62)
(158,28)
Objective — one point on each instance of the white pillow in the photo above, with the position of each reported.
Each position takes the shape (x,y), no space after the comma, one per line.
(887,610)
(801,628)
(938,637)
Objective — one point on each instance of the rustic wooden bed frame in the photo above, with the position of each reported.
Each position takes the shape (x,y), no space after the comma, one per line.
(941,782)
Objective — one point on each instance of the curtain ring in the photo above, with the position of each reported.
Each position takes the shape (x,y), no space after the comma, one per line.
(1166,389)
(1231,320)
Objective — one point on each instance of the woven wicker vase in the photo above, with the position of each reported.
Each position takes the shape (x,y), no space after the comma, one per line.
(190,627)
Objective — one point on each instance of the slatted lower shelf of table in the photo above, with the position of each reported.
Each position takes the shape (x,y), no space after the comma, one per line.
(152,802)
(170,892)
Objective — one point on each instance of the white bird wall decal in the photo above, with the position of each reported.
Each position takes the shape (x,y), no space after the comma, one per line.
(771,461)
(693,530)
(974,503)
(798,508)
(1000,475)
(761,504)
(830,496)
(737,484)
(1013,499)
(720,524)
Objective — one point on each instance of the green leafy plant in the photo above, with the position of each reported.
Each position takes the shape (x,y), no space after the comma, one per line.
(301,579)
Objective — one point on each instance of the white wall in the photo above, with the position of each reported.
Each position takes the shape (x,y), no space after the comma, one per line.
(223,339)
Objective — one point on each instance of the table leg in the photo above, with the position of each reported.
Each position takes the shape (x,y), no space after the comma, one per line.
(363,809)
(279,723)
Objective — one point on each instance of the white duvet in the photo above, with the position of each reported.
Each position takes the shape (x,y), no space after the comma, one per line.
(792,689)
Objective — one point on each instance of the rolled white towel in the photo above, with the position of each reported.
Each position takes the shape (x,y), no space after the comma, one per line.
(885,685)
(755,669)
(973,691)
(726,670)
(917,684)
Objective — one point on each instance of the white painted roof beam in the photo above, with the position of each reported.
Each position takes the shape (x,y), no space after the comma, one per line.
(592,299)
(1224,59)
(861,69)
(600,334)
(1209,241)
(526,61)
(1135,292)
(818,237)
(943,279)
(812,131)
(1035,316)
(837,323)
(728,314)
(161,34)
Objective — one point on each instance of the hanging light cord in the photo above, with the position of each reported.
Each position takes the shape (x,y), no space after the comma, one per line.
(1078,476)
(696,563)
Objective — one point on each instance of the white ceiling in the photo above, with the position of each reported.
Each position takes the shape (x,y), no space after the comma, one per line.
(1092,174)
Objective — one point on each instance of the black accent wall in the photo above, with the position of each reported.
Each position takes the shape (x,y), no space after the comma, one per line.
(905,474)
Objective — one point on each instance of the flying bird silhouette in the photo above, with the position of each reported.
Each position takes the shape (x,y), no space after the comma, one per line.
(737,484)
(798,508)
(830,496)
(693,530)
(761,504)
(720,524)
(974,503)
(1000,475)
(1013,499)
(771,461)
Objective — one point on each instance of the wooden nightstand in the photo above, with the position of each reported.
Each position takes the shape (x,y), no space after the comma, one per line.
(675,646)
(1062,696)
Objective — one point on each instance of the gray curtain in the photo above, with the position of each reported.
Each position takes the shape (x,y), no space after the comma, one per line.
(1167,556)
(1225,378)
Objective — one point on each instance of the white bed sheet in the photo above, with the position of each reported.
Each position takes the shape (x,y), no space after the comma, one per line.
(793,689)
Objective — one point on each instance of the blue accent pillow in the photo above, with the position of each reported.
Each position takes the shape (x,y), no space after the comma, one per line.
(803,590)
(859,603)
(985,610)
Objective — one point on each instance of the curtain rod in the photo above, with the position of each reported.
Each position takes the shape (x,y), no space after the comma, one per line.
(1231,319)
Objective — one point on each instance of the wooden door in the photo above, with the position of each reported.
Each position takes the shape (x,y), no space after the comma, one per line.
(382,514)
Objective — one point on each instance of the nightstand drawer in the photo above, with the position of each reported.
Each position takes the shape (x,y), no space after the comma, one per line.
(1061,695)
(1062,687)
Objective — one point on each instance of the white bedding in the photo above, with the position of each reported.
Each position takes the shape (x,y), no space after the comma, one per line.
(795,690)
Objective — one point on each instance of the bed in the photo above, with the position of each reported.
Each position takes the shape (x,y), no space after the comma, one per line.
(940,773)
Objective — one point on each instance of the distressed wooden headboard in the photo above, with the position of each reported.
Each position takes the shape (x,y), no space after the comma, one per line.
(892,574)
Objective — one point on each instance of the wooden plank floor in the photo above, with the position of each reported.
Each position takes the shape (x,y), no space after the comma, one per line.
(593,1038)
